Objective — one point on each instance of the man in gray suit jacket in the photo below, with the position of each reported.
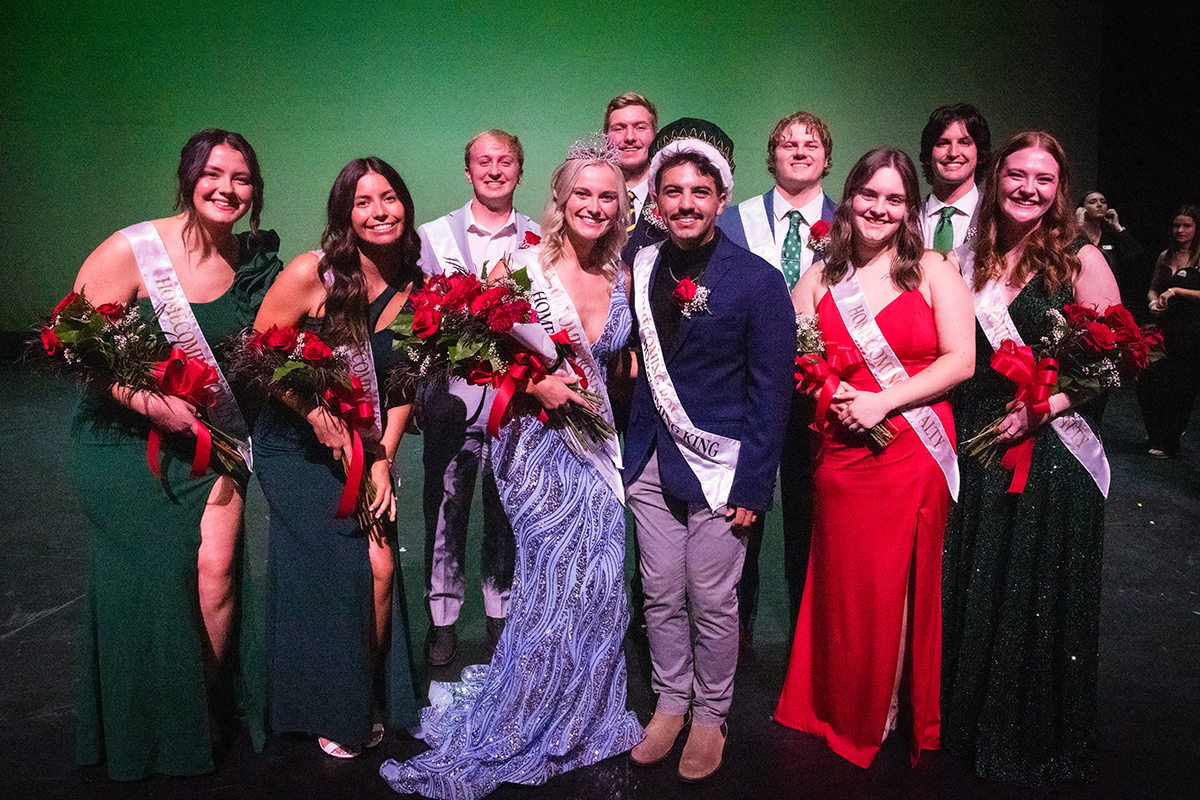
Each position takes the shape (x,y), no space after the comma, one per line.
(471,239)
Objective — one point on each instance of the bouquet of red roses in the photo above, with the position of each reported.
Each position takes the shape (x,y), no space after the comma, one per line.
(297,363)
(1085,352)
(113,346)
(488,334)
(814,368)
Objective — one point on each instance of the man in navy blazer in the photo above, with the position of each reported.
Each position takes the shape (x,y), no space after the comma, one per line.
(799,154)
(717,348)
(470,239)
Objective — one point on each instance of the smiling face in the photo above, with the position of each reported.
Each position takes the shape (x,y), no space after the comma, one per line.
(377,215)
(223,192)
(593,204)
(879,208)
(688,202)
(800,159)
(954,156)
(632,130)
(1183,230)
(1028,183)
(494,172)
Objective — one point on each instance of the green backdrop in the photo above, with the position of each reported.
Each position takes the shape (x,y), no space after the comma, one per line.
(96,98)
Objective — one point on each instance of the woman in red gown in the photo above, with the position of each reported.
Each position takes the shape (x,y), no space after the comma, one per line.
(872,600)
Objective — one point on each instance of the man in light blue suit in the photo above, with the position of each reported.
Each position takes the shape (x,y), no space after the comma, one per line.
(471,239)
(777,226)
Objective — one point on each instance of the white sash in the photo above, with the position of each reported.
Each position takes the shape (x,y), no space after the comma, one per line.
(713,458)
(760,231)
(556,312)
(991,311)
(360,362)
(883,363)
(178,323)
(447,249)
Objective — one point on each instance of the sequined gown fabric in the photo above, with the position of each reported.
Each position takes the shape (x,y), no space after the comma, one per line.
(878,521)
(1022,591)
(553,697)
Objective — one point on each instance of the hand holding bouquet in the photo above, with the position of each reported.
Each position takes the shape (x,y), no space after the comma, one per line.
(817,372)
(112,346)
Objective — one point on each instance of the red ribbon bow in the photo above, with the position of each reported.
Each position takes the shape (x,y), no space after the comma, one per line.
(526,368)
(350,403)
(1035,382)
(813,370)
(190,379)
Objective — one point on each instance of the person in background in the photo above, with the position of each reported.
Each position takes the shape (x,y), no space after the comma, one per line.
(1101,227)
(1167,390)
(471,239)
(956,147)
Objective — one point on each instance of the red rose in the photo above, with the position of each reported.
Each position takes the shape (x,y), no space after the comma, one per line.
(502,318)
(818,230)
(488,299)
(315,351)
(111,311)
(277,338)
(531,239)
(684,292)
(1098,337)
(1121,321)
(1153,339)
(426,321)
(1079,316)
(1138,354)
(480,373)
(66,301)
(462,290)
(49,341)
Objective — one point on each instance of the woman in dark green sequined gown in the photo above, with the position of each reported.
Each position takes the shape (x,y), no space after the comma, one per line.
(338,651)
(160,598)
(1022,570)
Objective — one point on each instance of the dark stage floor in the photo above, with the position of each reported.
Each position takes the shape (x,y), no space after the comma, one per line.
(1149,714)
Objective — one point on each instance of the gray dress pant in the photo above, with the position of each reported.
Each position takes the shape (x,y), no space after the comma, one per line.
(690,565)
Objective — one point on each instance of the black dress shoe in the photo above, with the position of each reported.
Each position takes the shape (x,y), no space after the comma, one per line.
(441,645)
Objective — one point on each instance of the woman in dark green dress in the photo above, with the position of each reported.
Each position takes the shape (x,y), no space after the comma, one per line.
(338,650)
(1022,569)
(160,598)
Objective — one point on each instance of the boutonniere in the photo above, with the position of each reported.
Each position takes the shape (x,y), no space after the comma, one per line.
(531,240)
(970,235)
(818,236)
(691,299)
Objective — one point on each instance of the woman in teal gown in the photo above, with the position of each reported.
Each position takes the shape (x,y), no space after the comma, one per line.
(339,658)
(160,600)
(1022,569)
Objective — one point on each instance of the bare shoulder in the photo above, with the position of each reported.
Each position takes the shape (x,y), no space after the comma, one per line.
(938,267)
(110,274)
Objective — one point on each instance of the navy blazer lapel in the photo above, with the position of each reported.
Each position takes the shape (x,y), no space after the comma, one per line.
(827,209)
(769,207)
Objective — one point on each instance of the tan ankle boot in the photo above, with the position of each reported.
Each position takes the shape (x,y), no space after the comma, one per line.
(658,739)
(703,753)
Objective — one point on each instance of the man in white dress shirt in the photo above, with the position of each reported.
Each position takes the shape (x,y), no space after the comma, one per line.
(955,147)
(471,239)
(777,226)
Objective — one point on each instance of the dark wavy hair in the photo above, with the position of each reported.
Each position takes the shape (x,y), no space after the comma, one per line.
(193,158)
(341,267)
(977,129)
(909,243)
(1048,250)
(1193,212)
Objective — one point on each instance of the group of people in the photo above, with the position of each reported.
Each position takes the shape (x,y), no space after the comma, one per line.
(980,617)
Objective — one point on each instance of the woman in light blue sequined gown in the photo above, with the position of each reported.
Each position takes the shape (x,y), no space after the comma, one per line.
(553,697)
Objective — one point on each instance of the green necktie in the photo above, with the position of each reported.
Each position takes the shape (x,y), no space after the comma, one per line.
(943,234)
(789,256)
(631,218)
